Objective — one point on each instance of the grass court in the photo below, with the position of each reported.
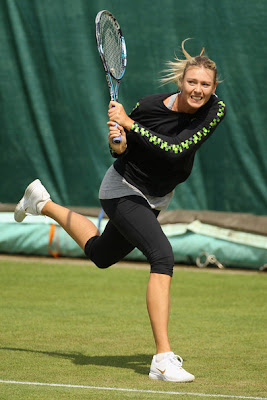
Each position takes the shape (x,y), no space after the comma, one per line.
(68,323)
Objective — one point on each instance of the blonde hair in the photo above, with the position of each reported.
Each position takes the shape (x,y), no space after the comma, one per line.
(176,69)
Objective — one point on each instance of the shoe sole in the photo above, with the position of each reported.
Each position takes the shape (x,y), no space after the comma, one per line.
(19,213)
(164,378)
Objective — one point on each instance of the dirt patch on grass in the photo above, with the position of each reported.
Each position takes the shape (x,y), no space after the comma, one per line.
(121,264)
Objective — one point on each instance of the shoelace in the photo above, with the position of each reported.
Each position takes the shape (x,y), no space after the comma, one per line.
(177,360)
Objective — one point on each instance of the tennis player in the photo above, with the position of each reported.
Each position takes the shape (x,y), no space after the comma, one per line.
(159,142)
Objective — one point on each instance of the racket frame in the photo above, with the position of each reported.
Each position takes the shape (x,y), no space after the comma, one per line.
(113,82)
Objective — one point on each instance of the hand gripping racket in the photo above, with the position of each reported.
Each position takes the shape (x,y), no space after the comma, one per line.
(112,49)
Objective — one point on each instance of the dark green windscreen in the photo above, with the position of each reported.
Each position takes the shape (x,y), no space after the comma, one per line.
(54,96)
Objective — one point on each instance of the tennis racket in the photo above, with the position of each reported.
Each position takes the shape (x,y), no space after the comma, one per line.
(112,49)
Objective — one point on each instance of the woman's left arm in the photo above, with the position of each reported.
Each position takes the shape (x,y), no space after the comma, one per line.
(200,129)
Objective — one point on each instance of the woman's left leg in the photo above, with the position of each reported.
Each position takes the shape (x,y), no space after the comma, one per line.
(158,306)
(136,221)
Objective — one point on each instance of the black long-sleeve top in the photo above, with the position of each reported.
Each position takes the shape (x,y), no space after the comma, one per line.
(162,143)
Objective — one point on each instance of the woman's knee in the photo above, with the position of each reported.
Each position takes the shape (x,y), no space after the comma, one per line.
(97,257)
(164,266)
(162,261)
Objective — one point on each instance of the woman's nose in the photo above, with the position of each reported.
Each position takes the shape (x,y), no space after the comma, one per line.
(198,88)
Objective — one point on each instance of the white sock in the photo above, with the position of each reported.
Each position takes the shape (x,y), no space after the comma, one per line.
(41,205)
(161,356)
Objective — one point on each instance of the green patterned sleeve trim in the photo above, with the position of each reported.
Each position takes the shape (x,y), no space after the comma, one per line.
(178,148)
(136,106)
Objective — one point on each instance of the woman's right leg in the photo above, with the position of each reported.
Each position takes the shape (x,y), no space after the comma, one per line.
(104,250)
(79,227)
(36,201)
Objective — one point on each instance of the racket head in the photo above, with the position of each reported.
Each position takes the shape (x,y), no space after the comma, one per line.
(111,44)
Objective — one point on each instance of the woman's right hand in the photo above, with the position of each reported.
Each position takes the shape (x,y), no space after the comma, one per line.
(116,130)
(117,113)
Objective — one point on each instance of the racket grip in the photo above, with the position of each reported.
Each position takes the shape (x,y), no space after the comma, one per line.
(116,140)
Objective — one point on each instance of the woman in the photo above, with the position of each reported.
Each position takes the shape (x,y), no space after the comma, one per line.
(159,141)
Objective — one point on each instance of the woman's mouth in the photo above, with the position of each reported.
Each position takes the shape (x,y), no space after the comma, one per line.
(196,98)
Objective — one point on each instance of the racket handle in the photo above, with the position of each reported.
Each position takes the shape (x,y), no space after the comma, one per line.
(116,140)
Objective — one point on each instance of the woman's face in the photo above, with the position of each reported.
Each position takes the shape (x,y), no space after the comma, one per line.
(197,86)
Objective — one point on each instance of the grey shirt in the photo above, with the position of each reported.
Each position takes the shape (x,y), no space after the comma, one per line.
(114,186)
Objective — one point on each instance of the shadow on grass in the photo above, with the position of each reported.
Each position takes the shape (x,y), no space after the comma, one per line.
(140,363)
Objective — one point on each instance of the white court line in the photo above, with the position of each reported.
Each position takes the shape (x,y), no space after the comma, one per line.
(133,390)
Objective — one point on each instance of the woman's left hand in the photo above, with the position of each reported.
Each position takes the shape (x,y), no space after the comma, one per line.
(116,130)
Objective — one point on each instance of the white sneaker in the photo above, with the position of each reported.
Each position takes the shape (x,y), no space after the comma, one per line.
(168,367)
(33,201)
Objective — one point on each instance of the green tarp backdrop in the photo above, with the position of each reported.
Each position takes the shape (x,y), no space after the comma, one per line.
(54,95)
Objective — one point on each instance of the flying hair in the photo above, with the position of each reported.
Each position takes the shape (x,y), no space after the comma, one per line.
(176,69)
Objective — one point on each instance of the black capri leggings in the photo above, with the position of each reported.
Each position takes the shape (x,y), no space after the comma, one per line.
(132,223)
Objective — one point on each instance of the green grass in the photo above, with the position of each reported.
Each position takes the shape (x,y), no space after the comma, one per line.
(75,324)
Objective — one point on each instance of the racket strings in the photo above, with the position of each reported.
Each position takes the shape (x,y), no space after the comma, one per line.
(111,45)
